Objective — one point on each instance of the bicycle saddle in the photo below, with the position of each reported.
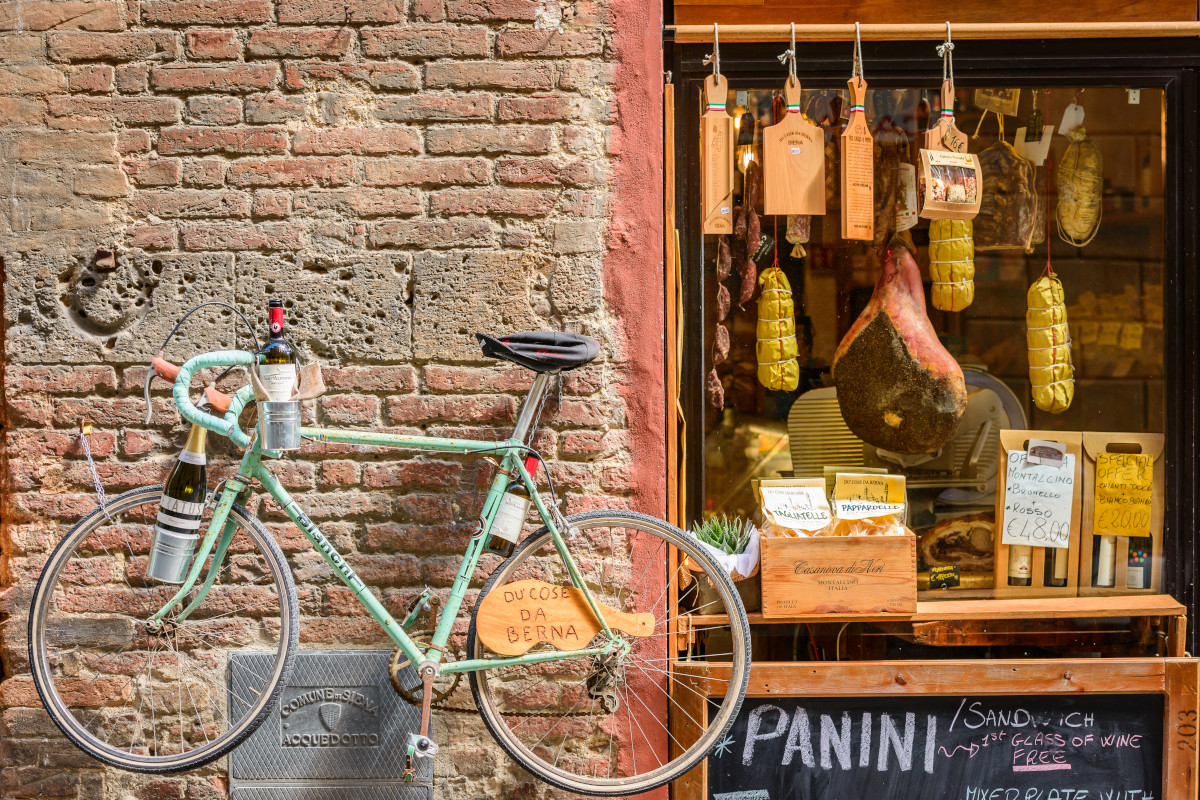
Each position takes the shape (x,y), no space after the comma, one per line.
(544,351)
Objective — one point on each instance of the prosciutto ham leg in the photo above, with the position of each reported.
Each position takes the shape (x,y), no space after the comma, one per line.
(897,386)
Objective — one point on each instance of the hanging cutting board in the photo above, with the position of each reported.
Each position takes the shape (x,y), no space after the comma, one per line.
(793,161)
(858,168)
(945,135)
(716,150)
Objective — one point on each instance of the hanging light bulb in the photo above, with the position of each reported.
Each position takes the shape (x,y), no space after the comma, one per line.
(743,152)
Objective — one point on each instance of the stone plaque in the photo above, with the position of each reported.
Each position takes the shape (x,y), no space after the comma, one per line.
(339,731)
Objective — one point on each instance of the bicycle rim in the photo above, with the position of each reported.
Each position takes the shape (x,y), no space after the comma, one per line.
(157,700)
(611,726)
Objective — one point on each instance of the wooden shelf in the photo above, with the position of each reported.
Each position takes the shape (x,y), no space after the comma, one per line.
(1146,605)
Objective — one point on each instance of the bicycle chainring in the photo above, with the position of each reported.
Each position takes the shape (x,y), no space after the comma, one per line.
(443,687)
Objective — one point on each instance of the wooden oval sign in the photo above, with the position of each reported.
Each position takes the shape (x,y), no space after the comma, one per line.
(514,617)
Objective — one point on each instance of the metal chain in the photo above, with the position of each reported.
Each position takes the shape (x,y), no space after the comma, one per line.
(87,452)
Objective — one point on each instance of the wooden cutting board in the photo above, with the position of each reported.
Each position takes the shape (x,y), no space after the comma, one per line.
(716,153)
(858,168)
(793,161)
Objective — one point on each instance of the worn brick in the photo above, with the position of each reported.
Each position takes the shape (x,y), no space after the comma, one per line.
(489,139)
(425,41)
(208,172)
(273,108)
(416,473)
(271,203)
(434,107)
(244,141)
(31,79)
(300,43)
(44,15)
(223,78)
(127,110)
(106,182)
(212,44)
(360,201)
(535,108)
(434,233)
(380,75)
(547,43)
(343,11)
(133,78)
(292,172)
(349,409)
(214,110)
(60,380)
(414,171)
(90,78)
(55,147)
(132,141)
(206,12)
(544,170)
(244,236)
(151,236)
(117,47)
(400,378)
(360,141)
(191,203)
(445,378)
(429,10)
(426,408)
(482,74)
(22,110)
(518,202)
(492,10)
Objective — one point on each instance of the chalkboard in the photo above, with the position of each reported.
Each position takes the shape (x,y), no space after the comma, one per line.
(1035,747)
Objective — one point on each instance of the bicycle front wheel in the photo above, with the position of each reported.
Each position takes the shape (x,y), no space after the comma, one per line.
(611,725)
(152,697)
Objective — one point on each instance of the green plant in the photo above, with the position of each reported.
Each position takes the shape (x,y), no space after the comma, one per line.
(729,535)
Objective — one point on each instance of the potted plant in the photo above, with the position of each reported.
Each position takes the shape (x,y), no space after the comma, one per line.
(733,543)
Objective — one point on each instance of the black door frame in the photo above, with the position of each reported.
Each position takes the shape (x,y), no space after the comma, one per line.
(1170,64)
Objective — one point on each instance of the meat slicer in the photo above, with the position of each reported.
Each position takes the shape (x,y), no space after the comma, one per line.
(964,469)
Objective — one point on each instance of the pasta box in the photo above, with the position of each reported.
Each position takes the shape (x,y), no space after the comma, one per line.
(839,575)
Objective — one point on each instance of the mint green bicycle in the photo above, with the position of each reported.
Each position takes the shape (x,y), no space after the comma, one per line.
(135,672)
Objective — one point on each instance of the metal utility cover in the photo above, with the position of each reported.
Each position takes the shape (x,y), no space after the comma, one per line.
(339,730)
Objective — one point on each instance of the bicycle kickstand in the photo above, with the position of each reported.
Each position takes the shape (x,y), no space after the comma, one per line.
(419,744)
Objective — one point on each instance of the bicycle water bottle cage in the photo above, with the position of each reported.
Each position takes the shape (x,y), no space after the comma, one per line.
(544,351)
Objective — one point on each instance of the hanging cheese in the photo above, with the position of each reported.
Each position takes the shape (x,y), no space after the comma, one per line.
(1080,188)
(1051,376)
(777,348)
(951,264)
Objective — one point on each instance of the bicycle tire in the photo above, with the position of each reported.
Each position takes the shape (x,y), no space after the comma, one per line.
(676,767)
(66,722)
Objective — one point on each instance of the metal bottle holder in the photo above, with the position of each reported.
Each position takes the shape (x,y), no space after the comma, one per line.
(170,555)
(279,424)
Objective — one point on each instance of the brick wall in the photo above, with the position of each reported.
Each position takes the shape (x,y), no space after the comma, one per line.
(404,172)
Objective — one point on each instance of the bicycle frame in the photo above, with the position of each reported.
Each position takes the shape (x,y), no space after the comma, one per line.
(220,529)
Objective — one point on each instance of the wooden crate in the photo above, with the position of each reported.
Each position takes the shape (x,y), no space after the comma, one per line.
(1144,443)
(1018,440)
(839,575)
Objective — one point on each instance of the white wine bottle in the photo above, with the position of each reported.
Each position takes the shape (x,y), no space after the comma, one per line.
(1105,567)
(179,511)
(1020,565)
(510,516)
(278,368)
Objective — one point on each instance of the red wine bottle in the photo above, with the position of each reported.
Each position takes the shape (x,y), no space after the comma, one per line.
(278,368)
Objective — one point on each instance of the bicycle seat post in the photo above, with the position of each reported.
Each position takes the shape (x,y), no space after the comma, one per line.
(531,410)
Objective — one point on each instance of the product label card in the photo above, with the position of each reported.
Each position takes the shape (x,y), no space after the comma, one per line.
(858,496)
(946,577)
(945,158)
(1123,494)
(802,508)
(1038,500)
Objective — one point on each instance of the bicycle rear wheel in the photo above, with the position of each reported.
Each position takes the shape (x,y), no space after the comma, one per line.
(155,698)
(610,725)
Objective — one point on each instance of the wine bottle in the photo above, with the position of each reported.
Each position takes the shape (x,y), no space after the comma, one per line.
(1020,565)
(278,367)
(1105,567)
(1056,566)
(510,516)
(1137,571)
(179,511)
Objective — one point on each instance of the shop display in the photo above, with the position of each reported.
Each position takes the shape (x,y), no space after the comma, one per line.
(1123,509)
(949,185)
(964,542)
(857,169)
(951,264)
(1008,208)
(793,156)
(1038,508)
(1080,177)
(1051,374)
(890,154)
(776,348)
(898,388)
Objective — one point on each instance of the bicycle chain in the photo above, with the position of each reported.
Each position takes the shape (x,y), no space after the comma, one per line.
(405,695)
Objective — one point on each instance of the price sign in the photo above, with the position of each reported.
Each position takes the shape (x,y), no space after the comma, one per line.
(1123,494)
(1038,500)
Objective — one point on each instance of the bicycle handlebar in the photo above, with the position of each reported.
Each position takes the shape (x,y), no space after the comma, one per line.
(183,380)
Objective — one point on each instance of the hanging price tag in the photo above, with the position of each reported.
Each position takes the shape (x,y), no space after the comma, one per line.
(1072,118)
(858,169)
